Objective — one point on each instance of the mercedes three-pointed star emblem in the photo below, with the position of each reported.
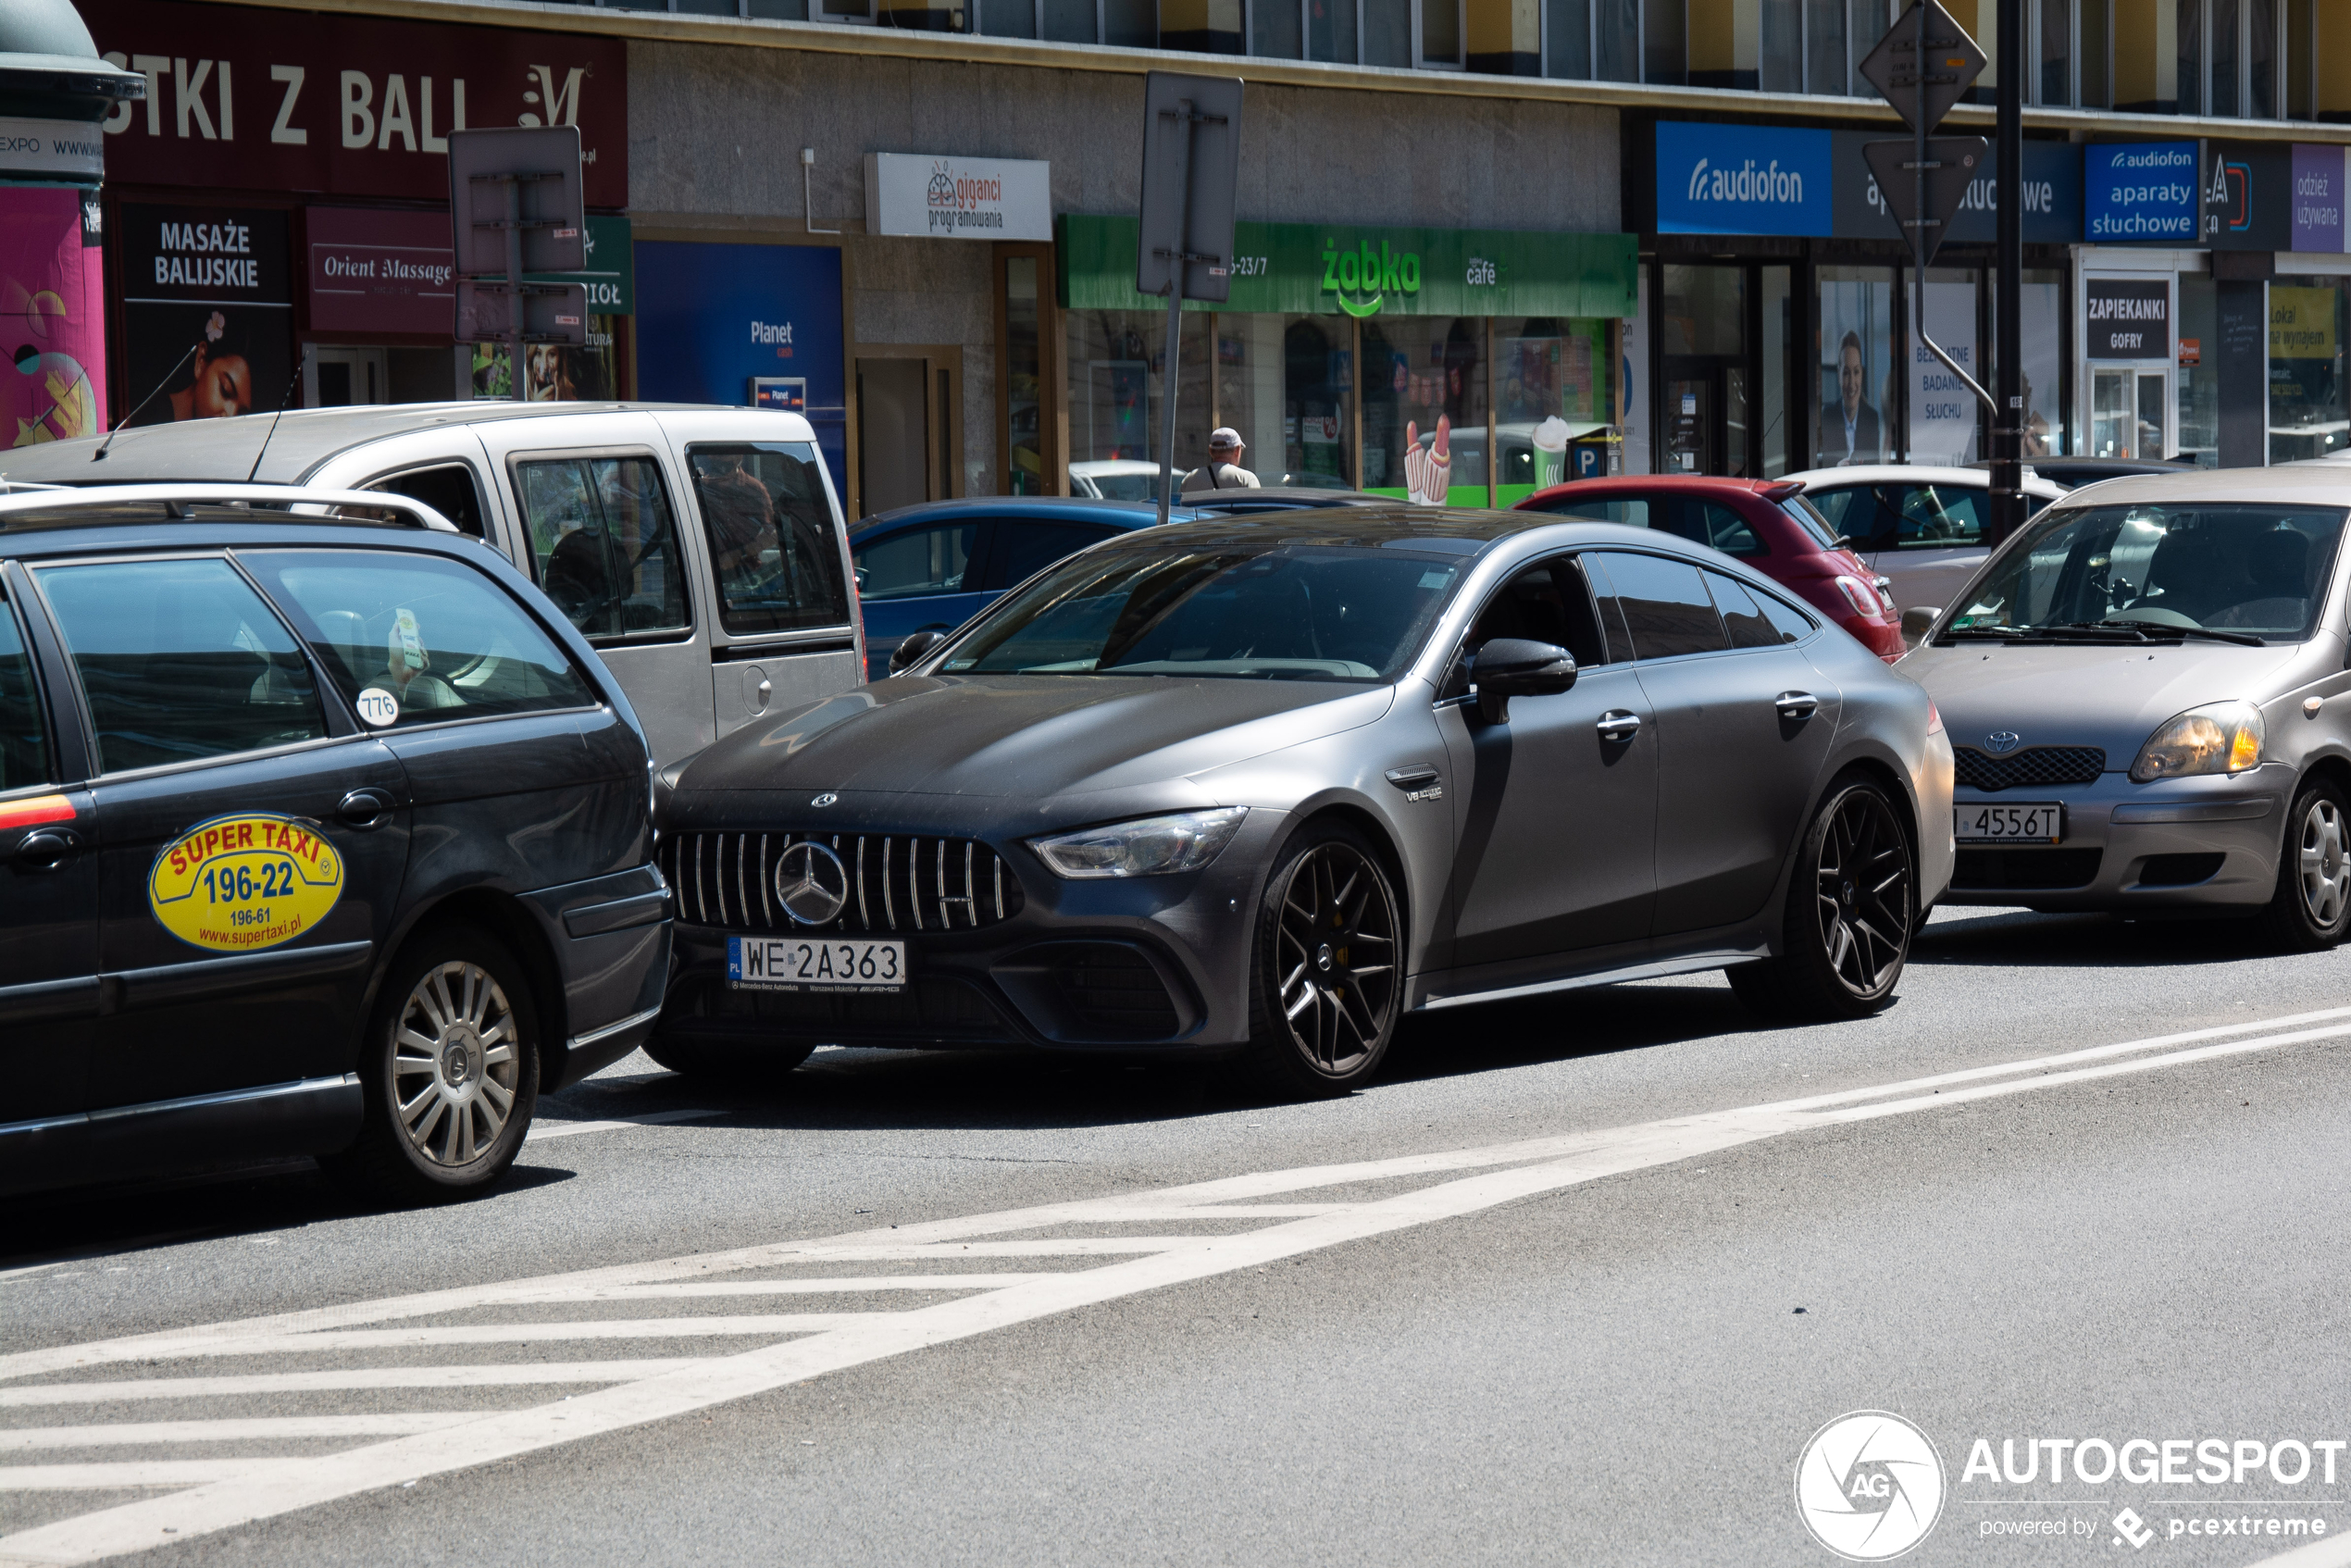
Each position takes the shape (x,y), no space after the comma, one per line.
(810,883)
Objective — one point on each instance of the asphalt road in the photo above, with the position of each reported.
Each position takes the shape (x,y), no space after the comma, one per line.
(1646,1250)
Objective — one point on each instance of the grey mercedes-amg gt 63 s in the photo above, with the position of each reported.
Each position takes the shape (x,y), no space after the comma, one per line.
(1258,786)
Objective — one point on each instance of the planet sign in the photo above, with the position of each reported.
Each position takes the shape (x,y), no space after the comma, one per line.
(240,883)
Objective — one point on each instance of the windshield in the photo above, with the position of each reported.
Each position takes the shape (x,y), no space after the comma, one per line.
(2256,570)
(1272,612)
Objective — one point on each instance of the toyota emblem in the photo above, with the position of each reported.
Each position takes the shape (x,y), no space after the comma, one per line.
(810,883)
(2002,741)
(826,799)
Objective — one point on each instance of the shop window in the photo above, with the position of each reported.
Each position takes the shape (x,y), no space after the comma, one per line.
(1552,387)
(1866,25)
(1775,284)
(1944,415)
(1780,47)
(2094,56)
(1023,402)
(1616,39)
(1856,365)
(2301,50)
(2261,59)
(1708,413)
(1116,366)
(2191,56)
(1387,34)
(1824,64)
(1663,48)
(2049,429)
(1425,406)
(1286,383)
(2308,406)
(1330,31)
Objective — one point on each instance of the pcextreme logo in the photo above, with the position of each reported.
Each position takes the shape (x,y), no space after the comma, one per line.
(1365,270)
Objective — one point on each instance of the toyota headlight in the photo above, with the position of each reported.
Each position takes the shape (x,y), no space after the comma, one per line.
(2216,738)
(1151,846)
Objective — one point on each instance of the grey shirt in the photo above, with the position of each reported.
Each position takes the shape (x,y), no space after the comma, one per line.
(1220,476)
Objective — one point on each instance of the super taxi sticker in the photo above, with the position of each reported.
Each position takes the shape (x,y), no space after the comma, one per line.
(240,883)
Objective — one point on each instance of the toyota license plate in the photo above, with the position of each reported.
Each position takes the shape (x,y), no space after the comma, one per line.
(788,963)
(2011,822)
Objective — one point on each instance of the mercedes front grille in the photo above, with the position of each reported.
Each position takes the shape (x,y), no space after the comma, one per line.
(898,882)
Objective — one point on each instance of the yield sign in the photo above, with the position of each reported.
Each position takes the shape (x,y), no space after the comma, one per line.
(1952,162)
(1923,65)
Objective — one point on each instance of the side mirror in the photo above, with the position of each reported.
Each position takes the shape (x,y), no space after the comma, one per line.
(913,648)
(1513,667)
(1917,621)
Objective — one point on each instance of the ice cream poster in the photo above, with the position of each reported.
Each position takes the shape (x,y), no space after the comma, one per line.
(52,303)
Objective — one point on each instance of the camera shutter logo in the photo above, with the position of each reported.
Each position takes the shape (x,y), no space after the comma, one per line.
(1869,1486)
(810,883)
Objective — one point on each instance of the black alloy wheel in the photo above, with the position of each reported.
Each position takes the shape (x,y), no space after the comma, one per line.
(1852,909)
(2311,910)
(1327,976)
(449,1072)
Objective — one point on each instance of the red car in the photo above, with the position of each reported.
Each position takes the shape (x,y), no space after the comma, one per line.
(1767,524)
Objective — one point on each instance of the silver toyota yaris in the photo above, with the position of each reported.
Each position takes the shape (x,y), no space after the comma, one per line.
(2147,698)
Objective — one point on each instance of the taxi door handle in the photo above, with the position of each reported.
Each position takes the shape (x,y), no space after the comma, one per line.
(365,808)
(46,848)
(1618,724)
(1797,705)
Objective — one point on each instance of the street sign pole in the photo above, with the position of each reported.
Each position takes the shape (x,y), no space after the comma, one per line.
(1923,65)
(2007,416)
(1191,159)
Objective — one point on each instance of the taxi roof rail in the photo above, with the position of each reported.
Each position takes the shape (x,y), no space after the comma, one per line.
(24,506)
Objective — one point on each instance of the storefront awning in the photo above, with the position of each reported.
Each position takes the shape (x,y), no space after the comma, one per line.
(1299,269)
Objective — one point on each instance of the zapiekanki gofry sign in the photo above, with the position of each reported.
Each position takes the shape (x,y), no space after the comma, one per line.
(1299,269)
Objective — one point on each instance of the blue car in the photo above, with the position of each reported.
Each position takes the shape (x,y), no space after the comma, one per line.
(934,567)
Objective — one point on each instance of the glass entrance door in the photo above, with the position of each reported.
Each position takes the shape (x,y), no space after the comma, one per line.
(2129,413)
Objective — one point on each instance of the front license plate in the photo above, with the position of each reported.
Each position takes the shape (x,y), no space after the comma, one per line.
(792,963)
(2011,822)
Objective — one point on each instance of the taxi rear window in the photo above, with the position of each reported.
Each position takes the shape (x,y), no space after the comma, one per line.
(433,640)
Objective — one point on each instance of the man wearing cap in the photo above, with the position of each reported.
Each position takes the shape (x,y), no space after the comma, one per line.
(1222,471)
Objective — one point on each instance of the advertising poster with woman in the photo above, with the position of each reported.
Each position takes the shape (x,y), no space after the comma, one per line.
(208,312)
(52,303)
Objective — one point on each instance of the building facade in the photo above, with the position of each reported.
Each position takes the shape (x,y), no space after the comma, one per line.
(1480,244)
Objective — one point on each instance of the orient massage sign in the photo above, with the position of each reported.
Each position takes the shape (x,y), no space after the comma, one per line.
(246,99)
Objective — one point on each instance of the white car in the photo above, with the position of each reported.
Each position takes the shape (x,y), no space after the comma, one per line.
(1115,478)
(1921,528)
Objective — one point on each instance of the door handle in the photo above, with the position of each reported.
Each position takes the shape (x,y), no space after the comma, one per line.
(365,808)
(46,848)
(1797,705)
(1619,724)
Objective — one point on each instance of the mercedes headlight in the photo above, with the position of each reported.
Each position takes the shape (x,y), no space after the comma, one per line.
(1150,846)
(2216,738)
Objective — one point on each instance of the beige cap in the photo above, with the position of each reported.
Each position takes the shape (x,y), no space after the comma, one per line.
(1224,435)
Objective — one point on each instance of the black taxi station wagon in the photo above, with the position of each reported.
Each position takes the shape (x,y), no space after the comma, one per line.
(321,832)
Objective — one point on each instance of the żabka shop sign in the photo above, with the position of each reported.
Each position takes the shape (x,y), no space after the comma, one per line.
(265,99)
(1310,269)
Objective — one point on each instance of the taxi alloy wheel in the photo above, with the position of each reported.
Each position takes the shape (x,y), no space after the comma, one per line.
(1852,908)
(454,1063)
(1326,966)
(449,1077)
(2311,909)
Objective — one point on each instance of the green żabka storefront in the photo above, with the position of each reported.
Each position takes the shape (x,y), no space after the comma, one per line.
(1343,346)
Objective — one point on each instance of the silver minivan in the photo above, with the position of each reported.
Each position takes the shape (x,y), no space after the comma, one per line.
(700,550)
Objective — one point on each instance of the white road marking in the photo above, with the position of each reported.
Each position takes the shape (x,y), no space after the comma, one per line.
(542,1131)
(635,1392)
(135,1472)
(130,1434)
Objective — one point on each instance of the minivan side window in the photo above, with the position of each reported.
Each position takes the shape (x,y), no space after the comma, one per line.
(437,638)
(180,660)
(602,543)
(24,751)
(773,545)
(449,489)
